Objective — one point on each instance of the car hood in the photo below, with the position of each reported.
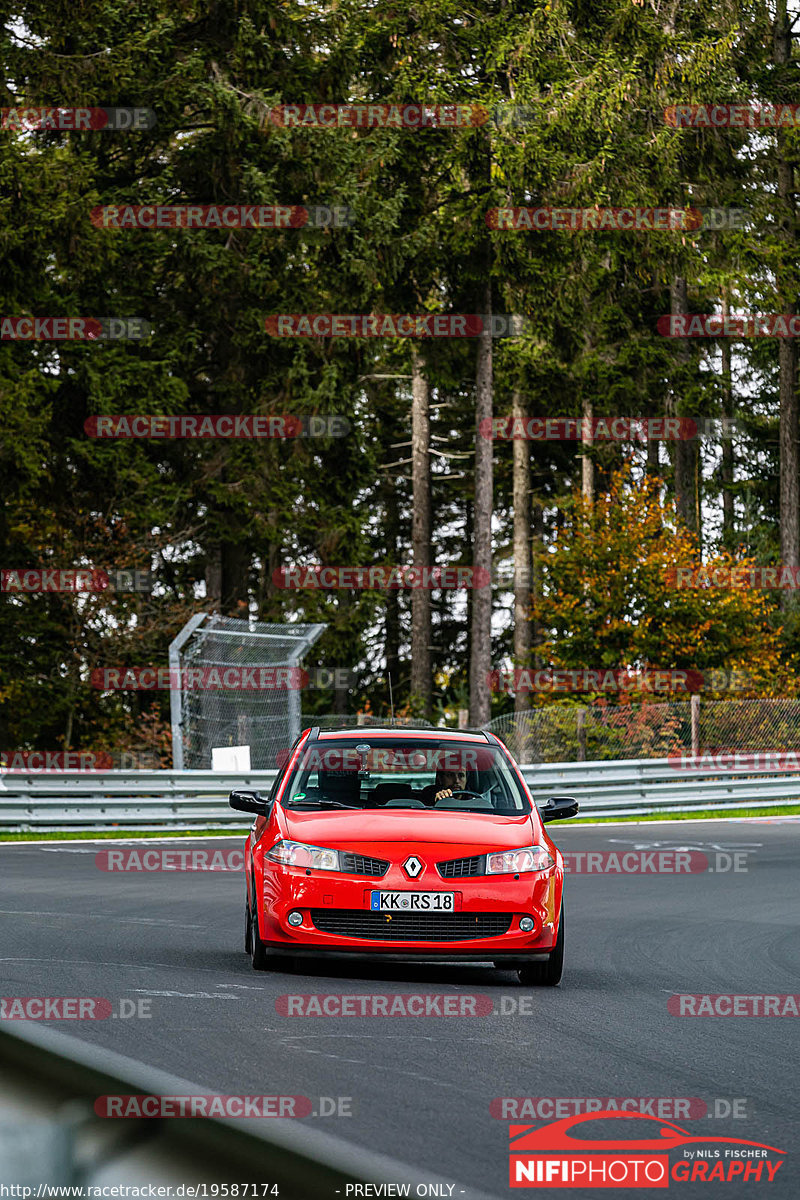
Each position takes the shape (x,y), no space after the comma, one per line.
(367,828)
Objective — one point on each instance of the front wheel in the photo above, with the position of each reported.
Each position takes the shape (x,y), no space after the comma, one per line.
(256,948)
(546,974)
(260,956)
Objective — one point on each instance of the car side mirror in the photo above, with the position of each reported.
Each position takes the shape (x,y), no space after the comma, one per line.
(249,802)
(558,808)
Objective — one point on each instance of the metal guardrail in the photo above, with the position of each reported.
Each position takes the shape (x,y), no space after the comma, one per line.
(105,798)
(644,787)
(301,1160)
(197,799)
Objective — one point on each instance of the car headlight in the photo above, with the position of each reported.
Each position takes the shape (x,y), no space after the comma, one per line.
(514,862)
(298,854)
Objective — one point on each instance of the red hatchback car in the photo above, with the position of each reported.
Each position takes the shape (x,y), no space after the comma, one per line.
(404,844)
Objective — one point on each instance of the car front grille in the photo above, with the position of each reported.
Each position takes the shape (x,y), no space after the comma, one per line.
(362,864)
(410,926)
(459,868)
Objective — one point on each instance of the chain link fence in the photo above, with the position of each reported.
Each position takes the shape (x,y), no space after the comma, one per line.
(268,720)
(334,721)
(205,716)
(568,733)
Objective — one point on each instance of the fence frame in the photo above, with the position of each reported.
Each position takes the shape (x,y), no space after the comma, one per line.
(297,640)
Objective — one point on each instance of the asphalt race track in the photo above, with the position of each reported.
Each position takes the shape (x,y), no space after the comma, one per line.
(421,1087)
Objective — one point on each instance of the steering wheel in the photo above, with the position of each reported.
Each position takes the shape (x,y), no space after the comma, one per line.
(461,792)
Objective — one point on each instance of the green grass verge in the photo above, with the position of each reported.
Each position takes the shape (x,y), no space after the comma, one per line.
(780,810)
(67,835)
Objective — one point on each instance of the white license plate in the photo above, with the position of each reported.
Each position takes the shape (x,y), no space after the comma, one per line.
(412,901)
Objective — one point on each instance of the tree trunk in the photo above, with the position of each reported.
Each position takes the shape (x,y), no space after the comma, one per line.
(653,460)
(235,570)
(392,619)
(788,452)
(213,575)
(341,620)
(70,721)
(481,641)
(537,544)
(421,671)
(685,451)
(523,578)
(727,467)
(587,464)
(340,701)
(787,289)
(271,556)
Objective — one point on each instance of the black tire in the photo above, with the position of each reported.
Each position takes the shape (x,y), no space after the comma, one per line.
(546,974)
(259,958)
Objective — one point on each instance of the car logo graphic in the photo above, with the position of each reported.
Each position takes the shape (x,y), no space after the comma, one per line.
(413,867)
(555,1156)
(558,1135)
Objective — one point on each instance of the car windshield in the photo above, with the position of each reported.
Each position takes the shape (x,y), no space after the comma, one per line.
(388,773)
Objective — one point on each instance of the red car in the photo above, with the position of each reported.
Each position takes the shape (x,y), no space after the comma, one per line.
(404,844)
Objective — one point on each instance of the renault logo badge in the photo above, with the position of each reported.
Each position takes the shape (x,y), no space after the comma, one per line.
(412,867)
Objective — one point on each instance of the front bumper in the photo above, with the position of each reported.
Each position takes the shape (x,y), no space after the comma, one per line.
(454,955)
(290,889)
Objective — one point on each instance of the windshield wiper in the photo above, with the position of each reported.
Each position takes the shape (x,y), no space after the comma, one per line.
(318,804)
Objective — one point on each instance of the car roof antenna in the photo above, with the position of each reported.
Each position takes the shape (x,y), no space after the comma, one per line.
(391,701)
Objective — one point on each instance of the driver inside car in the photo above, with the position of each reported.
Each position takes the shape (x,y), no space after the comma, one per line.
(445,784)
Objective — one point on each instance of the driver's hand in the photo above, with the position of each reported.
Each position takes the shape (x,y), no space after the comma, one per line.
(443,795)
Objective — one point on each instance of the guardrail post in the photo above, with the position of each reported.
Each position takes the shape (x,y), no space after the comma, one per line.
(695,709)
